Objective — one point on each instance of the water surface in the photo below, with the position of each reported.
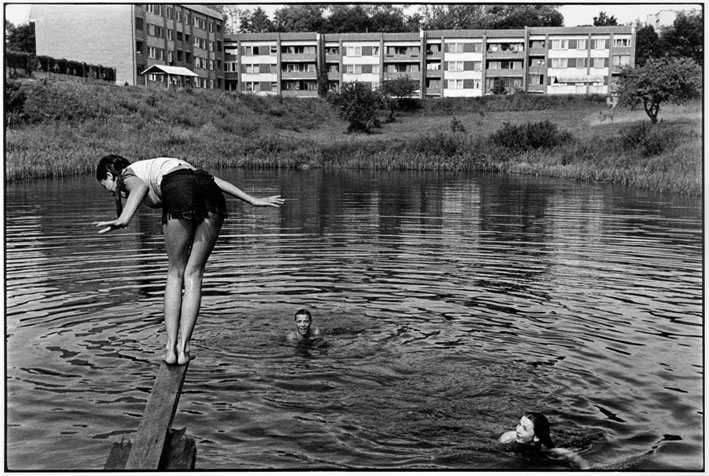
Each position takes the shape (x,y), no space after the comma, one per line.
(451,303)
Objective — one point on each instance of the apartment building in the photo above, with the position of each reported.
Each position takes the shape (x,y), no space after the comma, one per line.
(445,63)
(154,45)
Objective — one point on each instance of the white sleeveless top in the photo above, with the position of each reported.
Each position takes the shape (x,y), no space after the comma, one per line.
(152,171)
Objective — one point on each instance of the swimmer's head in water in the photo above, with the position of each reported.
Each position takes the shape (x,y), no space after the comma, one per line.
(303,319)
(534,427)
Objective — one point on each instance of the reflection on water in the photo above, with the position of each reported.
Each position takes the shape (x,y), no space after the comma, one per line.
(451,304)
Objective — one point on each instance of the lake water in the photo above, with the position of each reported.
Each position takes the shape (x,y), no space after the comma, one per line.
(451,304)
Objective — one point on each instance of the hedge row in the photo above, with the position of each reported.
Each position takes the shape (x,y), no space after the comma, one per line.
(30,63)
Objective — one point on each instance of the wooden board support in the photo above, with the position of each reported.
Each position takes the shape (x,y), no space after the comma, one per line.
(180,453)
(150,448)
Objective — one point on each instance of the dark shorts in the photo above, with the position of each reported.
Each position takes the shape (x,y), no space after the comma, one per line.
(190,195)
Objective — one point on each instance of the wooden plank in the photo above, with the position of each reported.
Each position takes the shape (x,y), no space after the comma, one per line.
(149,441)
(180,453)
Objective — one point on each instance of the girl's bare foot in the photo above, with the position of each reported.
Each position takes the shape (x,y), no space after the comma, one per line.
(184,357)
(170,357)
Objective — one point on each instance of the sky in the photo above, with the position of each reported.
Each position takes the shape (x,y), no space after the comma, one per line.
(574,14)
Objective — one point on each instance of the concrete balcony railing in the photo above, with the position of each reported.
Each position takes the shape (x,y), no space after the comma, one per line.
(298,57)
(298,75)
(299,93)
(504,73)
(505,54)
(413,76)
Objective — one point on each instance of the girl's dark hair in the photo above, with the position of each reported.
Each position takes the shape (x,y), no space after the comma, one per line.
(115,164)
(541,428)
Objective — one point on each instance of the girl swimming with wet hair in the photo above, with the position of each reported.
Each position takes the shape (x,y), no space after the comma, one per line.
(533,432)
(193,211)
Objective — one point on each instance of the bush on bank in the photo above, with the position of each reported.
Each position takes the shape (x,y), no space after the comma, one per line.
(57,129)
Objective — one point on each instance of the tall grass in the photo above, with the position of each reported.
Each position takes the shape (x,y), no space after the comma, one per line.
(57,129)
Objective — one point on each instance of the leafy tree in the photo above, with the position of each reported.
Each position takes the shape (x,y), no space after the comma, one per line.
(449,17)
(604,20)
(685,37)
(358,104)
(517,16)
(659,81)
(300,18)
(481,16)
(349,19)
(388,19)
(20,38)
(398,90)
(647,44)
(255,22)
(498,86)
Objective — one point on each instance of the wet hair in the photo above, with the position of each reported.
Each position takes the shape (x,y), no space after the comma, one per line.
(113,164)
(303,312)
(541,428)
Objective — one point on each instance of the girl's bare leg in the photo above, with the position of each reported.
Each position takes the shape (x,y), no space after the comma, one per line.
(178,237)
(205,236)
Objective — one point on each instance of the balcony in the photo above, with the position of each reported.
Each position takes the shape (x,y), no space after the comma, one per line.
(298,93)
(298,57)
(508,54)
(299,75)
(414,76)
(504,73)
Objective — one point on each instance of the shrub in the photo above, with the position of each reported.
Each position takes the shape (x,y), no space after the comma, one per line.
(534,135)
(358,104)
(647,138)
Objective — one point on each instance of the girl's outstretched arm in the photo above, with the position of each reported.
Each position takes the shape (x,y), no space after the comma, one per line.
(234,191)
(137,191)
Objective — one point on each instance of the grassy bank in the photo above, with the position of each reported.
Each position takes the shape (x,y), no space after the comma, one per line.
(60,129)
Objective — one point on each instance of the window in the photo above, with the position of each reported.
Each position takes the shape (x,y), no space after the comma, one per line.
(536,79)
(621,41)
(168,13)
(138,23)
(559,63)
(332,50)
(253,69)
(154,8)
(402,50)
(169,35)
(537,44)
(333,68)
(599,44)
(354,51)
(273,50)
(252,87)
(599,63)
(454,47)
(455,65)
(139,47)
(621,60)
(433,83)
(433,66)
(454,84)
(169,57)
(179,35)
(559,44)
(155,53)
(433,49)
(353,69)
(180,54)
(536,62)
